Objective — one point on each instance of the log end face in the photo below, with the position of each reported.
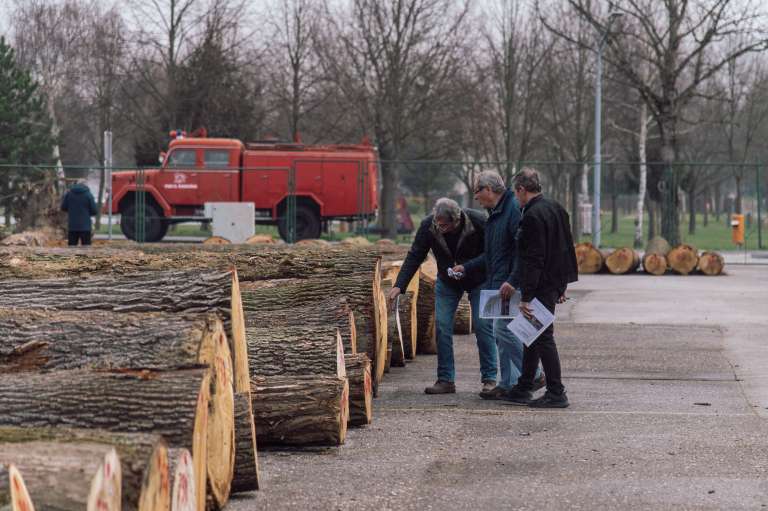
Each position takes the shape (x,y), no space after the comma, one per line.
(20,500)
(155,486)
(106,486)
(183,495)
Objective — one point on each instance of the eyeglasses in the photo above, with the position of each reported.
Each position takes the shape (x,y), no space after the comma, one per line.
(442,227)
(480,189)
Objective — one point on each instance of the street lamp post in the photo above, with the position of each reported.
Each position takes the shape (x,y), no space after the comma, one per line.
(598,124)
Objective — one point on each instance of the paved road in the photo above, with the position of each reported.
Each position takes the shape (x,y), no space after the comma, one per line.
(669,389)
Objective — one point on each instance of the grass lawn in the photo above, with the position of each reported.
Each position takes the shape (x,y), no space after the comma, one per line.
(715,236)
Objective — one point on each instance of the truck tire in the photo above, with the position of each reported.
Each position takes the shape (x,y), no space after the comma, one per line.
(154,227)
(307,224)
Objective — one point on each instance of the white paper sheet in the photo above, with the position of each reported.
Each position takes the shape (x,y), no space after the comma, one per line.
(493,307)
(528,330)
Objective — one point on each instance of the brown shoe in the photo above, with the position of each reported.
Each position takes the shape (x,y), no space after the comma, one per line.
(539,383)
(488,385)
(493,394)
(441,387)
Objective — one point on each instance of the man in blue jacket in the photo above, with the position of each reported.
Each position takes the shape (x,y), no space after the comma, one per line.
(498,262)
(80,206)
(454,235)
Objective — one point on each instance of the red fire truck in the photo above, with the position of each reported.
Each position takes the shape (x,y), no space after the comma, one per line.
(328,182)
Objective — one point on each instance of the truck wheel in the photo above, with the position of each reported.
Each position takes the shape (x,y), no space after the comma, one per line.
(307,225)
(154,225)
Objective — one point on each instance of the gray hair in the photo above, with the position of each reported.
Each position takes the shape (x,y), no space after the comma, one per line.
(447,209)
(527,179)
(491,180)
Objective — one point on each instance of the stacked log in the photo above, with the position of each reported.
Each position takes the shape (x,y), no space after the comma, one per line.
(711,263)
(300,410)
(408,312)
(683,259)
(70,468)
(175,404)
(182,480)
(13,490)
(622,261)
(655,257)
(360,389)
(588,258)
(462,324)
(426,342)
(296,350)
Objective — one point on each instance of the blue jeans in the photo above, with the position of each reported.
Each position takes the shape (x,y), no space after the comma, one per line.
(446,302)
(510,354)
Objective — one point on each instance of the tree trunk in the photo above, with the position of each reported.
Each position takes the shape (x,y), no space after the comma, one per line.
(181,473)
(34,339)
(716,201)
(588,258)
(360,389)
(295,350)
(711,263)
(683,259)
(622,260)
(173,404)
(692,209)
(651,205)
(738,205)
(576,227)
(300,410)
(462,324)
(59,465)
(246,473)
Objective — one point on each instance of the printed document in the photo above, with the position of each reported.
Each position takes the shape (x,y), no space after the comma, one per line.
(529,329)
(492,306)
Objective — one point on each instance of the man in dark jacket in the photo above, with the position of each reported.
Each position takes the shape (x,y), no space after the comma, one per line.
(498,263)
(454,236)
(547,265)
(80,206)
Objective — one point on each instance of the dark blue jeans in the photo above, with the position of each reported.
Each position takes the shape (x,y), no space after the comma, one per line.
(446,301)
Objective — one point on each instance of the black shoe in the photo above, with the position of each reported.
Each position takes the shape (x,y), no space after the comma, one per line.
(441,387)
(517,396)
(494,393)
(550,400)
(539,383)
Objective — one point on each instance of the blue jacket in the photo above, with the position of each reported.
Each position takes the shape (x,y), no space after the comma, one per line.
(80,206)
(499,258)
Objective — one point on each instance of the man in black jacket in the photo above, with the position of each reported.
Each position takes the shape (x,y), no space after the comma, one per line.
(80,206)
(454,236)
(547,264)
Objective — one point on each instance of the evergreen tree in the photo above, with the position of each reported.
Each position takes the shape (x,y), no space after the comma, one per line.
(25,140)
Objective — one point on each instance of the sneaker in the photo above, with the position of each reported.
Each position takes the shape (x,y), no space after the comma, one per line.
(517,396)
(539,383)
(550,400)
(441,387)
(488,385)
(493,394)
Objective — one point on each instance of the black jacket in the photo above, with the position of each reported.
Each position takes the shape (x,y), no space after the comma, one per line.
(500,254)
(547,259)
(469,246)
(80,206)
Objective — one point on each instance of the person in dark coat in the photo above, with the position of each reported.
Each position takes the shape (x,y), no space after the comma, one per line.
(454,235)
(80,206)
(547,264)
(498,263)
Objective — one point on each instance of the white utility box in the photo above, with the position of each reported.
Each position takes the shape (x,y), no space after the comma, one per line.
(234,221)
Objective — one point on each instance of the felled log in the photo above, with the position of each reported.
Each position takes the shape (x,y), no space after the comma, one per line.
(588,258)
(300,410)
(622,260)
(257,239)
(175,404)
(295,350)
(711,263)
(462,324)
(409,321)
(655,257)
(683,259)
(182,480)
(35,339)
(272,303)
(216,240)
(658,245)
(426,342)
(360,389)
(381,317)
(13,490)
(66,468)
(246,473)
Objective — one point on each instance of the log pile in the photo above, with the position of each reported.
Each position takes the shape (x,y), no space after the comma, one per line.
(622,261)
(588,258)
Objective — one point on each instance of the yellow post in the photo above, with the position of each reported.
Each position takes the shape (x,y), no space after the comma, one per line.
(737,229)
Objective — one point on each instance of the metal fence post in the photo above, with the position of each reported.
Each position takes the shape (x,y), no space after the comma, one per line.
(759,209)
(108,177)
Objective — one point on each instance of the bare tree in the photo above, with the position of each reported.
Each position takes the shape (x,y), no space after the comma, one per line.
(681,36)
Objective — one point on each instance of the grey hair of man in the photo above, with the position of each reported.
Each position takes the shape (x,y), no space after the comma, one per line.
(447,209)
(491,180)
(528,179)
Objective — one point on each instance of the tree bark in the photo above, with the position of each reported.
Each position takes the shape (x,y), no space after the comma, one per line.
(300,410)
(588,258)
(426,342)
(246,473)
(462,324)
(295,350)
(181,476)
(711,263)
(173,404)
(360,389)
(59,465)
(683,259)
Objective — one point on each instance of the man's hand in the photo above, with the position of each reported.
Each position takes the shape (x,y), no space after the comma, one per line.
(525,308)
(392,296)
(562,298)
(506,291)
(458,269)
